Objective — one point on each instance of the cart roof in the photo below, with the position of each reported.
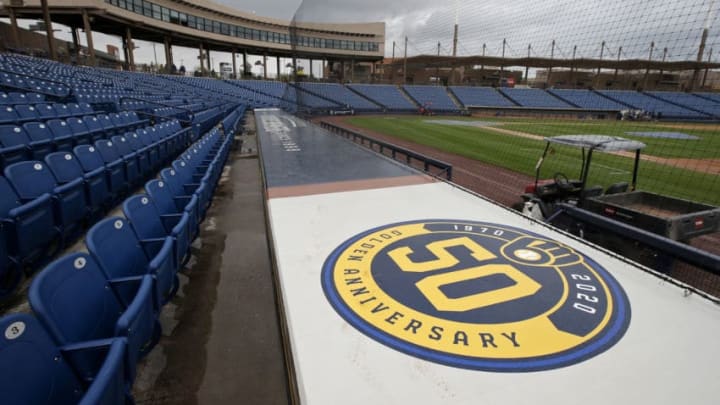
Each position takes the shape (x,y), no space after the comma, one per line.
(603,143)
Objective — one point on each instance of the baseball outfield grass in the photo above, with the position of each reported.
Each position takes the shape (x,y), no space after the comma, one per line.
(521,154)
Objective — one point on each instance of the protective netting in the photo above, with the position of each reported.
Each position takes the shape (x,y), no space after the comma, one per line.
(516,73)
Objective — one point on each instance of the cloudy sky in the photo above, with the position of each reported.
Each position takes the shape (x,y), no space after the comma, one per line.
(630,24)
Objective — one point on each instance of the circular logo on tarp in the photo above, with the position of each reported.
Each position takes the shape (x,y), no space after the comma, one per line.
(476,295)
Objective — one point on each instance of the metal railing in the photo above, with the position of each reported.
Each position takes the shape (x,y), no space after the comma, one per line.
(444,169)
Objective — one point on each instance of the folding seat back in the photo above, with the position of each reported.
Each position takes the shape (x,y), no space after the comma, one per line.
(77,303)
(121,254)
(86,108)
(18,98)
(35,98)
(74,109)
(4,99)
(108,151)
(117,120)
(95,128)
(13,135)
(38,132)
(8,114)
(34,370)
(33,224)
(62,134)
(27,112)
(116,248)
(148,224)
(64,166)
(32,179)
(79,129)
(45,111)
(106,122)
(134,139)
(61,110)
(122,145)
(169,205)
(91,161)
(89,157)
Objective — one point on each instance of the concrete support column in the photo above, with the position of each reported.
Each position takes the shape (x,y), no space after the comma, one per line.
(277,62)
(14,27)
(168,54)
(294,66)
(245,63)
(48,29)
(311,68)
(352,70)
(89,38)
(130,49)
(265,67)
(209,67)
(234,64)
(76,44)
(201,58)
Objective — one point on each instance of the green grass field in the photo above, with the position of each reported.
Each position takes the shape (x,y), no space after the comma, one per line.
(521,154)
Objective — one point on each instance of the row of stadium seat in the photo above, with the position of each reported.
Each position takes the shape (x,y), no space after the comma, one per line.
(27,112)
(44,205)
(34,140)
(96,314)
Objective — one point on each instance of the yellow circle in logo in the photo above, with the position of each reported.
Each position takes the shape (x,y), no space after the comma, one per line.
(476,295)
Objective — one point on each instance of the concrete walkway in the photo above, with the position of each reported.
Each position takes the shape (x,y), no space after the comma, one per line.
(222,342)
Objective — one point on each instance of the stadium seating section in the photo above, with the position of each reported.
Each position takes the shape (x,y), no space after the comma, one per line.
(587,99)
(534,98)
(74,145)
(78,143)
(653,105)
(434,98)
(481,97)
(388,96)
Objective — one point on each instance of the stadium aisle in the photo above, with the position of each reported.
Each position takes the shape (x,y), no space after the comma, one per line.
(222,342)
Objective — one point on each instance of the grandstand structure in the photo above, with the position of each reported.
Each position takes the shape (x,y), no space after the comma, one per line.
(206,26)
(177,239)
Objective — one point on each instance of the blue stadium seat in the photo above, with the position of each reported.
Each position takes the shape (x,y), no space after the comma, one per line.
(91,160)
(120,254)
(41,139)
(172,208)
(66,168)
(156,146)
(80,131)
(77,303)
(8,115)
(28,227)
(96,131)
(148,225)
(107,123)
(125,149)
(146,154)
(62,135)
(45,111)
(86,108)
(34,370)
(61,110)
(14,145)
(33,179)
(111,156)
(183,181)
(18,98)
(27,112)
